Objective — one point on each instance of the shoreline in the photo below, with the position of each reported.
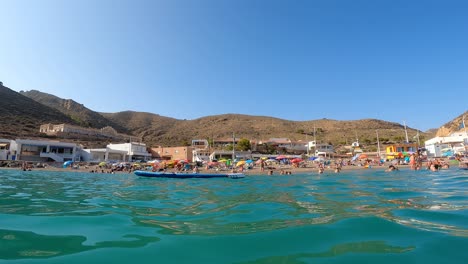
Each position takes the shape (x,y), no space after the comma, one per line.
(254,171)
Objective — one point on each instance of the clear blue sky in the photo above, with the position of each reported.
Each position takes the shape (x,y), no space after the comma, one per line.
(393,60)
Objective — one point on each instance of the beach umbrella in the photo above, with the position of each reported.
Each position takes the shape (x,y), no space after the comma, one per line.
(102,163)
(249,161)
(258,161)
(213,163)
(363,156)
(153,162)
(280,157)
(222,160)
(240,163)
(271,161)
(296,160)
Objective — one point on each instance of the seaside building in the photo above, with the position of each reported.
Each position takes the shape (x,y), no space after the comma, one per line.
(280,145)
(104,154)
(320,149)
(455,143)
(43,150)
(133,151)
(172,153)
(5,149)
(200,150)
(396,150)
(224,154)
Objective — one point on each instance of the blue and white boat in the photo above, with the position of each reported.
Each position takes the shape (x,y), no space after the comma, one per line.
(181,175)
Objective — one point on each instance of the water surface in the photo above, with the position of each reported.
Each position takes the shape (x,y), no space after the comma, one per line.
(352,217)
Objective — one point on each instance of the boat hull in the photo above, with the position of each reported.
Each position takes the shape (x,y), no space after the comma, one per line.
(187,175)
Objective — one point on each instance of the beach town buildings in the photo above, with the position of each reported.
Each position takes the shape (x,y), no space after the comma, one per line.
(455,143)
(56,151)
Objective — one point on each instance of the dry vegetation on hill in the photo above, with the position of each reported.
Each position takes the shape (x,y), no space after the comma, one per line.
(23,116)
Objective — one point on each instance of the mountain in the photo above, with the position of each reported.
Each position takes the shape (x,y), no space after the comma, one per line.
(452,126)
(21,116)
(159,130)
(78,112)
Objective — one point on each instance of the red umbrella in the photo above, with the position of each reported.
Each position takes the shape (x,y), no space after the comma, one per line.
(296,160)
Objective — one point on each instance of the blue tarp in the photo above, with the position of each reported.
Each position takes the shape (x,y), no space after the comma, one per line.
(67,163)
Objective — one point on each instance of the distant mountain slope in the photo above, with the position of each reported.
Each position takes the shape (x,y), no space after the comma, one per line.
(159,130)
(263,128)
(78,112)
(146,125)
(21,116)
(453,125)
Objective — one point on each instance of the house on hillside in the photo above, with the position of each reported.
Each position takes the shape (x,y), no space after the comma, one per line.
(64,129)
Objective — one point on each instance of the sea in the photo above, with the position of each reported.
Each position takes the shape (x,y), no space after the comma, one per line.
(357,216)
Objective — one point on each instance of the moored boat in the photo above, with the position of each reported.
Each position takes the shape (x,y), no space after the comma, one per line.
(181,175)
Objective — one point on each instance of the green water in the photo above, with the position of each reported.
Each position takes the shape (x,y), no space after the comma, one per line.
(353,217)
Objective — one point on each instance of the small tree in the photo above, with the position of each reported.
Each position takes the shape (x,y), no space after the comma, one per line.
(243,145)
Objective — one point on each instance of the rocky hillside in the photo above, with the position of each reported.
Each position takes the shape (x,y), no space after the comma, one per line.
(21,116)
(453,126)
(78,112)
(159,130)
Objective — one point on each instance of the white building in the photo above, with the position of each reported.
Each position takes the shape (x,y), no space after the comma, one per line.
(200,150)
(5,153)
(440,146)
(118,152)
(104,154)
(43,150)
(320,149)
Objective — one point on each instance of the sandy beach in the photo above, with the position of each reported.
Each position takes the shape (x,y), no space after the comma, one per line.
(83,168)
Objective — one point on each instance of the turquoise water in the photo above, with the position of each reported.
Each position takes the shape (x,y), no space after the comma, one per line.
(353,217)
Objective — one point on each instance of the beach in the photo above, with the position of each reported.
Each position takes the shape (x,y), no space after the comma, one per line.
(84,167)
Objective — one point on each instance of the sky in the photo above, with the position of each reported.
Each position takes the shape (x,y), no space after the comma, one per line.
(394,60)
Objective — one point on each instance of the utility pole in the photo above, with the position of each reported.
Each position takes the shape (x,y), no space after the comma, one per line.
(406,133)
(233,145)
(378,142)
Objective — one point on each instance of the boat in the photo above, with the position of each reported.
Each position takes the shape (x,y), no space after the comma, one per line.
(182,175)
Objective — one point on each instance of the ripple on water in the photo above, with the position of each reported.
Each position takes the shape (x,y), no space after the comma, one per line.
(374,211)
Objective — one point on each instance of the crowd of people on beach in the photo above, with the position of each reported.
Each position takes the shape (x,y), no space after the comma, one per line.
(415,161)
